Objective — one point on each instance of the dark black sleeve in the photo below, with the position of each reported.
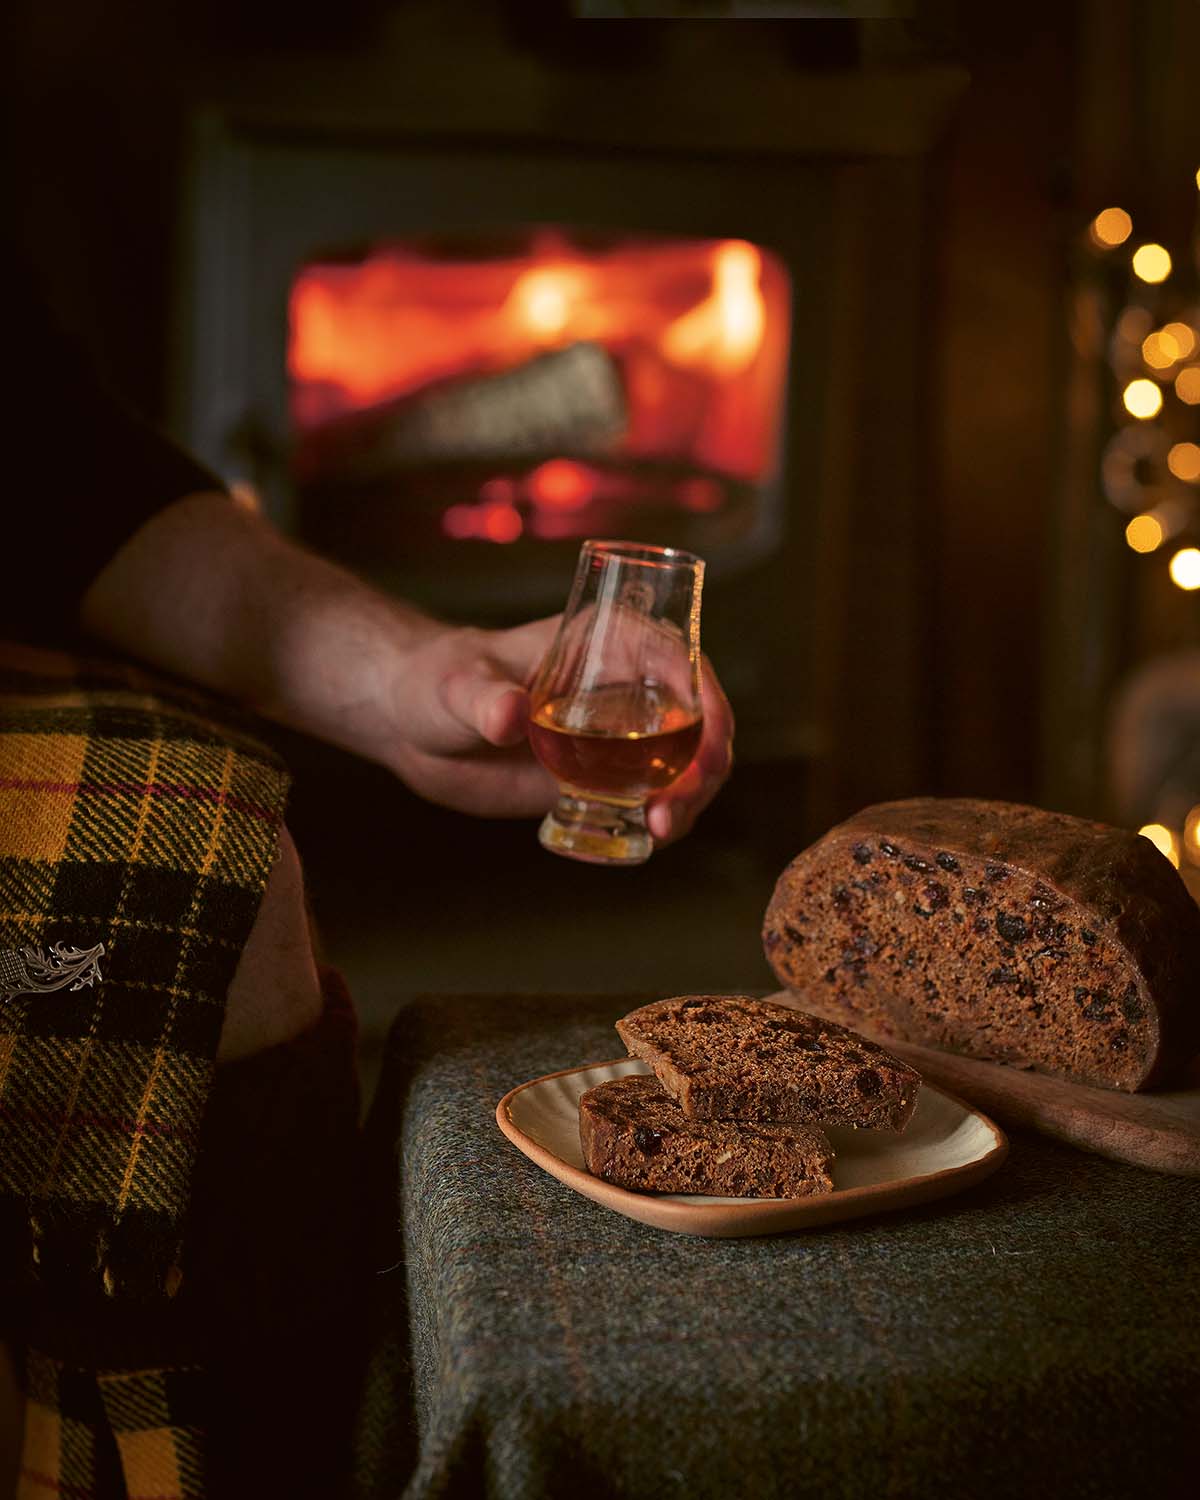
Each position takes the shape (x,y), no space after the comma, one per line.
(84,472)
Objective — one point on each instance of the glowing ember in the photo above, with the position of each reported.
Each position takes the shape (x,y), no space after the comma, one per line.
(493,522)
(501,523)
(560,485)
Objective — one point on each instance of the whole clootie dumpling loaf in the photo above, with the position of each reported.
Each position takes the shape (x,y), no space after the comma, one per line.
(730,1057)
(998,931)
(633,1134)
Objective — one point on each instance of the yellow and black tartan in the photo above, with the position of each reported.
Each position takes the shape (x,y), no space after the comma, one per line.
(92,1433)
(143,816)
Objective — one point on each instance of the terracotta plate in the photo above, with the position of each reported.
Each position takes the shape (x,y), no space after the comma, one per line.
(947,1147)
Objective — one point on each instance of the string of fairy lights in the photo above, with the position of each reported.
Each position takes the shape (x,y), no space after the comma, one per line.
(1150,467)
(1167,841)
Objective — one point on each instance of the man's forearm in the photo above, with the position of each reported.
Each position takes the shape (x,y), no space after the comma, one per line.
(210,592)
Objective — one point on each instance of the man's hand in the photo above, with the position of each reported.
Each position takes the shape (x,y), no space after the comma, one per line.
(672,814)
(212,593)
(460,714)
(462,730)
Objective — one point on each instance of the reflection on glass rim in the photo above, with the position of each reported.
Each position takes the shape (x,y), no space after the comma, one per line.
(641,552)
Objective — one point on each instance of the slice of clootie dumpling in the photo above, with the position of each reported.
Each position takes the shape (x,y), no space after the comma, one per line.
(633,1134)
(730,1057)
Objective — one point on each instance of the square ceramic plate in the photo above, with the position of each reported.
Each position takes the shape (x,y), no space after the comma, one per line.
(946,1147)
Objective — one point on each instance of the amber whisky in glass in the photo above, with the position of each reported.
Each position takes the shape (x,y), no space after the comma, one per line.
(616,714)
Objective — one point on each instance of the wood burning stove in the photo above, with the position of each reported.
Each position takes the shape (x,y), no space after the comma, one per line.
(446,341)
(451,396)
(632,316)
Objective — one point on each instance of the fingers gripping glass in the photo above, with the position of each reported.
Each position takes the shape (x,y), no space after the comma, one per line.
(616,714)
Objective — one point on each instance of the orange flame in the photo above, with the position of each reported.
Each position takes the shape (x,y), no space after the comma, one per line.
(725,331)
(697,331)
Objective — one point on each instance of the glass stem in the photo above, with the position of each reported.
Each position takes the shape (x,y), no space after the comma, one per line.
(604,833)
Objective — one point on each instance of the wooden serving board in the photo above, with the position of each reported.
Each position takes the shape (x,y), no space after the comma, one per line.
(1160,1131)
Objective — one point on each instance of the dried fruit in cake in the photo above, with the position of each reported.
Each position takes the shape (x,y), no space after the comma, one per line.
(999,932)
(634,1135)
(729,1057)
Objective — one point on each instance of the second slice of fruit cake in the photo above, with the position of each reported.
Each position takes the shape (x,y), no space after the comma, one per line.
(730,1057)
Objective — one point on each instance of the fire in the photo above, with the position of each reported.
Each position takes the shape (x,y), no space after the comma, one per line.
(543,301)
(687,338)
(725,331)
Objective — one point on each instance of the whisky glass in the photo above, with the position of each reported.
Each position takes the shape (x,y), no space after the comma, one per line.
(615,715)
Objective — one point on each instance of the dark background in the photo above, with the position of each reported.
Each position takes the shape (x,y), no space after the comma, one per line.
(1067,107)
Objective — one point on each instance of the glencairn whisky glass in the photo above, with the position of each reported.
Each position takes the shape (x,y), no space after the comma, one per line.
(616,708)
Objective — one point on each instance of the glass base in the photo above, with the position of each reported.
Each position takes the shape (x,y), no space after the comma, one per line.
(602,833)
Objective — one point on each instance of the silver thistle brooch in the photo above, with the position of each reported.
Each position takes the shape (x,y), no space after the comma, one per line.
(30,971)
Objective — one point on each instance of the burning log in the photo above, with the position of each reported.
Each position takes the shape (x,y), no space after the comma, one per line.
(566,400)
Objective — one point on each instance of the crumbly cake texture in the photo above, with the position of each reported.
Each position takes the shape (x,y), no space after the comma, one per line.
(635,1136)
(729,1057)
(1000,932)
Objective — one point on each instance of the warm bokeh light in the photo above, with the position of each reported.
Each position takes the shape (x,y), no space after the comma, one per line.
(1151,263)
(1163,839)
(1112,226)
(1160,350)
(1187,385)
(1191,836)
(1183,336)
(1185,568)
(1142,399)
(1144,533)
(1184,461)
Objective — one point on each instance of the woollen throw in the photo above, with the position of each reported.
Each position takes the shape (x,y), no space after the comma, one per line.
(144,816)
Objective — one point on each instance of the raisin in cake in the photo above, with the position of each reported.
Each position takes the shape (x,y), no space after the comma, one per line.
(634,1135)
(728,1057)
(997,931)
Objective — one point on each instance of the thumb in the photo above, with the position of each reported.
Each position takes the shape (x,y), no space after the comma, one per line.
(489,705)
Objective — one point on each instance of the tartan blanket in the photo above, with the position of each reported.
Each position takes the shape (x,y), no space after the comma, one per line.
(136,1433)
(144,817)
